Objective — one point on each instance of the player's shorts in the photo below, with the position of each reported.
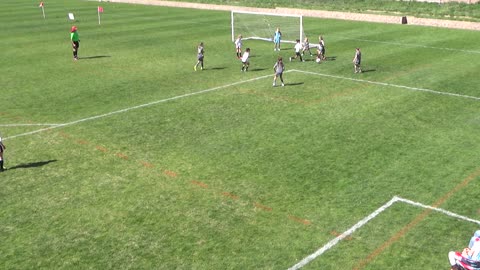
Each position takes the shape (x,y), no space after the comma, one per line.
(298,53)
(276,40)
(77,44)
(200,57)
(279,73)
(246,63)
(467,263)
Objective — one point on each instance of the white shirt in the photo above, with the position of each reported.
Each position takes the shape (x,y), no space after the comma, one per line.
(298,47)
(238,43)
(245,56)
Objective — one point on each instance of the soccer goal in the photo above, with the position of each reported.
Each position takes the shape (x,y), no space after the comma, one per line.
(262,26)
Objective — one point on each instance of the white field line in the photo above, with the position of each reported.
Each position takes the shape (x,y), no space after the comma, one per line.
(388,85)
(136,107)
(26,125)
(448,213)
(364,221)
(348,232)
(413,45)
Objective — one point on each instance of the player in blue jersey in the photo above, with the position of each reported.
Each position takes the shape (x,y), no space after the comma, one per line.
(277,38)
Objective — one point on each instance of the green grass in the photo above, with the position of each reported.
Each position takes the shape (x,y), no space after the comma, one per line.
(245,176)
(450,10)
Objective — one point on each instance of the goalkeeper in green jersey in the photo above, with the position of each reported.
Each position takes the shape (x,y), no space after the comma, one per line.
(75,38)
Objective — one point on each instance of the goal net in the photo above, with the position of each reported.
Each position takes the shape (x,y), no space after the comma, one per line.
(262,26)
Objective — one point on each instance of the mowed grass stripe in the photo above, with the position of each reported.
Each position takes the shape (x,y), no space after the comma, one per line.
(111,191)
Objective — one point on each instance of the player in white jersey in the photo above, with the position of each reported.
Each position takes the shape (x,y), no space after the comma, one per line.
(298,51)
(278,68)
(245,62)
(238,46)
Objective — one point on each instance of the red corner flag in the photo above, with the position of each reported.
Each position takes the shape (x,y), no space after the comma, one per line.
(41,4)
(100,9)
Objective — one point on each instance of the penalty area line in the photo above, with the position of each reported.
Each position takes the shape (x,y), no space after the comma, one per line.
(388,85)
(136,107)
(364,221)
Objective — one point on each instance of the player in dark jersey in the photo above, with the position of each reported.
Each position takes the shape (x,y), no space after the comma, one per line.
(357,60)
(2,148)
(200,52)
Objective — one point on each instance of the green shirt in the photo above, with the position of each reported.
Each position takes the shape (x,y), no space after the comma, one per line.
(74,36)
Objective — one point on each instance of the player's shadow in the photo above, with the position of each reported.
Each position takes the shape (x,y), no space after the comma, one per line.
(293,84)
(368,70)
(217,68)
(330,58)
(257,69)
(93,57)
(32,164)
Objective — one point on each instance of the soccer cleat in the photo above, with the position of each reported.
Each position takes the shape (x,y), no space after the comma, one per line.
(283,84)
(274,85)
(290,59)
(195,68)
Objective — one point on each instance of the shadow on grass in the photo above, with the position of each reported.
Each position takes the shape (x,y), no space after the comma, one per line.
(93,57)
(330,58)
(368,70)
(256,69)
(32,164)
(293,84)
(216,68)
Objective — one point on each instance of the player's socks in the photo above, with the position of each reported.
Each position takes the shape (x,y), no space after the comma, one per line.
(1,166)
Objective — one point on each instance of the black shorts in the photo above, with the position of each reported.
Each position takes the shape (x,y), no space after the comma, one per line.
(298,53)
(77,44)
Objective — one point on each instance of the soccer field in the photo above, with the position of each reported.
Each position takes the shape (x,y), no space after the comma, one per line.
(130,159)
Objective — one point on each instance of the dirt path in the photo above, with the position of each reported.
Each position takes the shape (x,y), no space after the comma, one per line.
(316,13)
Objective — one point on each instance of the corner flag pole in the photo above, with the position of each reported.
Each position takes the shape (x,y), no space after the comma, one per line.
(99,10)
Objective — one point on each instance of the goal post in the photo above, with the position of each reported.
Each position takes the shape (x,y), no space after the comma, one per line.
(262,26)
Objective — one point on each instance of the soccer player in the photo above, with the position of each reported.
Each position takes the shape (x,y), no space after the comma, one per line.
(75,38)
(200,52)
(2,148)
(469,258)
(298,48)
(357,59)
(277,37)
(238,46)
(321,44)
(278,68)
(245,62)
(320,51)
(306,47)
